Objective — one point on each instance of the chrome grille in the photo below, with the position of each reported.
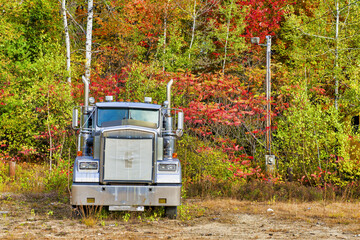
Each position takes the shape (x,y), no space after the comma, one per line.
(128,159)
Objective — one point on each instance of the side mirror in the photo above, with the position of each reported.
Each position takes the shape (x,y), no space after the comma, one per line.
(180,124)
(75,118)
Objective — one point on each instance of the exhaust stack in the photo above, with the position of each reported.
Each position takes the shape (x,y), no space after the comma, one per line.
(168,93)
(86,91)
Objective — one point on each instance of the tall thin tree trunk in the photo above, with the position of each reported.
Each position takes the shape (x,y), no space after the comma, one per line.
(67,41)
(88,44)
(226,43)
(193,29)
(49,130)
(336,55)
(165,32)
(227,37)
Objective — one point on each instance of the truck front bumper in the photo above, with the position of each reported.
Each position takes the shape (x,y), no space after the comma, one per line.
(125,195)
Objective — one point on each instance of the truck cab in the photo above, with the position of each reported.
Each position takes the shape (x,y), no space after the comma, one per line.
(126,156)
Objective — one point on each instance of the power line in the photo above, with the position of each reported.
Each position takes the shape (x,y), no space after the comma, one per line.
(329,12)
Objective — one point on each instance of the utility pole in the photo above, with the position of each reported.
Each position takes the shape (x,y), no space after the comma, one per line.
(268,94)
(269,158)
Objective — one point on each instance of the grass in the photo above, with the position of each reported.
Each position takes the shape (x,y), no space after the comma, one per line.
(267,191)
(33,178)
(28,178)
(33,210)
(89,221)
(288,200)
(317,212)
(37,178)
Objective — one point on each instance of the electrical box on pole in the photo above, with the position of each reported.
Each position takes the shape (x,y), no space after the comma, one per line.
(270,162)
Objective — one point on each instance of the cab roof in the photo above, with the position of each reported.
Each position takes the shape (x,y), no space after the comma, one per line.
(127,105)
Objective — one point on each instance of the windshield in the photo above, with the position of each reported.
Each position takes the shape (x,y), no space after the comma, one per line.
(107,117)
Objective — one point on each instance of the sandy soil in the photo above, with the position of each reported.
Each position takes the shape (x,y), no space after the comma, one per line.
(41,216)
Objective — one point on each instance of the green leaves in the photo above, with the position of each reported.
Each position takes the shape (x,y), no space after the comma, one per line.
(312,137)
(35,100)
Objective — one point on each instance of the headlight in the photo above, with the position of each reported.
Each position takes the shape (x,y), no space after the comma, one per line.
(167,167)
(88,165)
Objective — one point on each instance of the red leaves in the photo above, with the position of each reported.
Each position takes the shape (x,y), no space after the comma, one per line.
(222,101)
(263,17)
(27,151)
(216,107)
(318,90)
(100,87)
(219,109)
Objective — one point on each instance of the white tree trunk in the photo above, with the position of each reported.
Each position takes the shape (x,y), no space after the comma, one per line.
(88,45)
(194,16)
(165,31)
(336,50)
(227,36)
(226,43)
(49,130)
(337,56)
(67,41)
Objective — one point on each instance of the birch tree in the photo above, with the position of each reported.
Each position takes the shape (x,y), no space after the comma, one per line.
(334,33)
(195,9)
(227,29)
(320,50)
(67,41)
(88,45)
(165,30)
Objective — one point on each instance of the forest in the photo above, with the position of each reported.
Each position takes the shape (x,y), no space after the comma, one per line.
(219,76)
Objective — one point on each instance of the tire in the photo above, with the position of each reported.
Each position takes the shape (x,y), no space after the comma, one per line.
(171,212)
(75,213)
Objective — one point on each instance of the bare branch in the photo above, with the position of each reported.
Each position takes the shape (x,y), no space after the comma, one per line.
(347,15)
(349,36)
(73,19)
(313,35)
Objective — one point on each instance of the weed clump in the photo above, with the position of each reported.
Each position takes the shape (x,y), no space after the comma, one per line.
(32,178)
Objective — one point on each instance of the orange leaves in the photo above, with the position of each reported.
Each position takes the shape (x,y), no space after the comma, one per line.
(132,28)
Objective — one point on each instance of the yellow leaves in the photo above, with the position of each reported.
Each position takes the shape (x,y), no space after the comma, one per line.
(99,21)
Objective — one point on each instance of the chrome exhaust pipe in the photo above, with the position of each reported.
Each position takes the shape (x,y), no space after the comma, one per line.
(86,91)
(168,93)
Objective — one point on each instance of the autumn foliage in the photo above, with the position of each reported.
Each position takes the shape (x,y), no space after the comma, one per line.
(204,45)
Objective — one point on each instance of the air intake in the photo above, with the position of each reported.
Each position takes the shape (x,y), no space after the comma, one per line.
(147,100)
(109,98)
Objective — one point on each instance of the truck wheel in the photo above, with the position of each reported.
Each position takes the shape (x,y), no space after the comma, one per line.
(171,212)
(75,213)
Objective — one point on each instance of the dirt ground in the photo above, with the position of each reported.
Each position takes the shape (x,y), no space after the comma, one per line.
(41,216)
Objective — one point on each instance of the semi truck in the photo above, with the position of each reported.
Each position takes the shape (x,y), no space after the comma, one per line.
(126,155)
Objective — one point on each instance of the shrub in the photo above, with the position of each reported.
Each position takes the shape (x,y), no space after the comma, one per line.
(28,177)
